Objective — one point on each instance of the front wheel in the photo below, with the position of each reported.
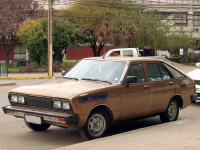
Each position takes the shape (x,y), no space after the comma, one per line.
(37,127)
(172,112)
(96,125)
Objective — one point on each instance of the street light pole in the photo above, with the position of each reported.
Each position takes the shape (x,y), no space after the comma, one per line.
(50,39)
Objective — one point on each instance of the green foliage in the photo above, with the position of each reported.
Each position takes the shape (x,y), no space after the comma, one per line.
(177,41)
(34,35)
(130,27)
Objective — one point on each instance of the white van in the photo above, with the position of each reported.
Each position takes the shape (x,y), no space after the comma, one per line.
(123,52)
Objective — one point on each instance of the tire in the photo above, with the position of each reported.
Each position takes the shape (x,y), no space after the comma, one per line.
(171,113)
(37,127)
(194,101)
(96,125)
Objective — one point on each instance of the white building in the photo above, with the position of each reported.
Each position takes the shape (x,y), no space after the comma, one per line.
(179,15)
(57,4)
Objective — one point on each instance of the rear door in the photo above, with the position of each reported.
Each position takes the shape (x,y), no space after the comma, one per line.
(162,86)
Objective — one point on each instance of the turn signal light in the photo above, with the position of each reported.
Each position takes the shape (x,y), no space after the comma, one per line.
(61,119)
(9,111)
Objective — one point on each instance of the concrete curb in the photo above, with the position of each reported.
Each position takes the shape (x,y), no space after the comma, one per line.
(7,84)
(23,78)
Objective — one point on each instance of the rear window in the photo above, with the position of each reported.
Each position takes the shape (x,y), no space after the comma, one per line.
(174,72)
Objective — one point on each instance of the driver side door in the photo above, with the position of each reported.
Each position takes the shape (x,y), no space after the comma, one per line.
(136,98)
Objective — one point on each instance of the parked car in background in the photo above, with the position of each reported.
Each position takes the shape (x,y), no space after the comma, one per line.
(195,75)
(123,52)
(99,91)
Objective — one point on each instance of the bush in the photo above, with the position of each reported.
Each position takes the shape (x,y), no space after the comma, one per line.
(64,68)
(30,68)
(196,57)
(22,69)
(57,66)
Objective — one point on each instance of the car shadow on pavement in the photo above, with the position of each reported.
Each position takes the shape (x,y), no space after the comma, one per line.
(129,125)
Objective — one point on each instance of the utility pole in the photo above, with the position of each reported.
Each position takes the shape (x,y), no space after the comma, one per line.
(50,39)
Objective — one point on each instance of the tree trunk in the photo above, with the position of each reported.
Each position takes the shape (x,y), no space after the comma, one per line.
(7,59)
(93,45)
(101,45)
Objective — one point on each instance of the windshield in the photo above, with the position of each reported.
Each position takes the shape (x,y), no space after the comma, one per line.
(97,70)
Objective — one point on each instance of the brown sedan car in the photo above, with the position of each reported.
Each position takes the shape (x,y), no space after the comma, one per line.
(98,91)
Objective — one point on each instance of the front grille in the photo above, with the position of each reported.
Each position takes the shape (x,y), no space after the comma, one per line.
(38,101)
(197,82)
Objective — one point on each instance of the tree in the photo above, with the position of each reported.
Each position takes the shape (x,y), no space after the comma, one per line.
(33,33)
(12,13)
(104,34)
(93,23)
(131,26)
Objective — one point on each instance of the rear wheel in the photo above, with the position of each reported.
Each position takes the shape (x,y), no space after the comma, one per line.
(171,113)
(37,127)
(96,125)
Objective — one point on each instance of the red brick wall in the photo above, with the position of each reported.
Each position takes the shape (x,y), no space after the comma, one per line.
(3,55)
(84,51)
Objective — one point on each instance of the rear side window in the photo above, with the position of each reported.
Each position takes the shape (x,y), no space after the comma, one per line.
(138,71)
(174,72)
(153,72)
(164,74)
(128,53)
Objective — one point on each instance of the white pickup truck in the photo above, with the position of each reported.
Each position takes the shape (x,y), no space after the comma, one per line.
(123,52)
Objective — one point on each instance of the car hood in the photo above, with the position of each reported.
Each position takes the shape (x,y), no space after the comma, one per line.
(195,74)
(62,89)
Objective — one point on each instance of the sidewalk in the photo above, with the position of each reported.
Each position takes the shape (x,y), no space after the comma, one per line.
(20,76)
(179,135)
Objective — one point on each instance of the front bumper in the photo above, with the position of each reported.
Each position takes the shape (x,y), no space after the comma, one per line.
(68,119)
(194,97)
(198,96)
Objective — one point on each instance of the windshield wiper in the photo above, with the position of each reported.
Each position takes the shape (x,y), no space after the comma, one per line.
(90,79)
(71,78)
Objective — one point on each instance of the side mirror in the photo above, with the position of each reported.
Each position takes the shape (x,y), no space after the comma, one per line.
(130,79)
(63,72)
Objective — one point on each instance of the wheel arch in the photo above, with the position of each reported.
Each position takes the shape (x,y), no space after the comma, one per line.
(179,100)
(105,108)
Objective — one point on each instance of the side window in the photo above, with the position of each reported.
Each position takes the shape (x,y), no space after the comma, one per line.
(115,53)
(174,72)
(128,53)
(153,72)
(138,71)
(164,74)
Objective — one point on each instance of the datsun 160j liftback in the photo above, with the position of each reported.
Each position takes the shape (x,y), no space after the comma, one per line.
(98,91)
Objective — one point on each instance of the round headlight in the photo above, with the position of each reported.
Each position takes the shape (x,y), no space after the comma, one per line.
(21,99)
(57,104)
(13,98)
(66,105)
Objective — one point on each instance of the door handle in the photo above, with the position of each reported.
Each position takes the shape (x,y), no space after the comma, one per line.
(183,85)
(146,86)
(171,83)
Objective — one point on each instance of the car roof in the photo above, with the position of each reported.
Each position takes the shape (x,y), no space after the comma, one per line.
(125,59)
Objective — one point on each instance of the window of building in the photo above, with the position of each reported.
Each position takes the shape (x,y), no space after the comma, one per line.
(196,19)
(19,52)
(180,19)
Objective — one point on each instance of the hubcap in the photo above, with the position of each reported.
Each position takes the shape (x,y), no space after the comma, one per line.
(96,125)
(172,111)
